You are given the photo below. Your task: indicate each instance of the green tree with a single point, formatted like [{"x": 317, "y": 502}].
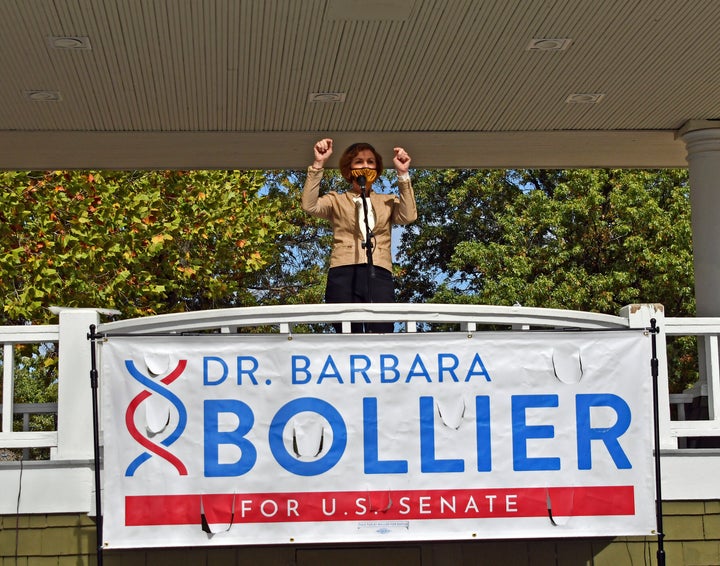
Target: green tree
[
  {"x": 299, "y": 272},
  {"x": 454, "y": 206},
  {"x": 592, "y": 240},
  {"x": 140, "y": 242}
]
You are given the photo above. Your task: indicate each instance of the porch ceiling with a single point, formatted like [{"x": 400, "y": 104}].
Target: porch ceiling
[{"x": 229, "y": 83}]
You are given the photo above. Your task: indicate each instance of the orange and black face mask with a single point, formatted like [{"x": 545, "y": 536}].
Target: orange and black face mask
[{"x": 369, "y": 174}]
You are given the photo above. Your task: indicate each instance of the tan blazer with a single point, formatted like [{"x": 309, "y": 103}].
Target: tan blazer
[{"x": 339, "y": 209}]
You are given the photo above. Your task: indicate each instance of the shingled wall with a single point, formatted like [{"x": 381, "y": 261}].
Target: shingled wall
[{"x": 692, "y": 538}]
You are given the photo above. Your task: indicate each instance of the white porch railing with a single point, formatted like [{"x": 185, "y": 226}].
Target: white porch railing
[
  {"x": 65, "y": 482},
  {"x": 706, "y": 330},
  {"x": 10, "y": 336}
]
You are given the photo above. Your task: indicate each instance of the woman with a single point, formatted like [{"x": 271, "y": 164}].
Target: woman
[{"x": 360, "y": 262}]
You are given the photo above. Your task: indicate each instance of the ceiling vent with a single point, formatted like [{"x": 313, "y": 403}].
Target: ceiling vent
[
  {"x": 549, "y": 44},
  {"x": 585, "y": 98},
  {"x": 43, "y": 95},
  {"x": 326, "y": 97},
  {"x": 71, "y": 42}
]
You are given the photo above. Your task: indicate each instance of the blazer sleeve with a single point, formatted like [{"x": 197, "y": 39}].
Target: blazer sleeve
[
  {"x": 406, "y": 210},
  {"x": 312, "y": 202}
]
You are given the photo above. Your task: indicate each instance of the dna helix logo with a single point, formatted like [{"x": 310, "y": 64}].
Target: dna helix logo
[{"x": 152, "y": 447}]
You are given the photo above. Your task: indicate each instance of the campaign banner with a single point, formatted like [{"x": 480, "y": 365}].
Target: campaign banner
[{"x": 287, "y": 439}]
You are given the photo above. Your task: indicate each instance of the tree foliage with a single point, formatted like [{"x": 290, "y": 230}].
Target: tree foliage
[
  {"x": 592, "y": 240},
  {"x": 454, "y": 206},
  {"x": 299, "y": 273},
  {"x": 154, "y": 242},
  {"x": 142, "y": 243}
]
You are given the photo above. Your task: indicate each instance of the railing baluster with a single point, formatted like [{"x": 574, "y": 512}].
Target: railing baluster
[
  {"x": 8, "y": 387},
  {"x": 713, "y": 377}
]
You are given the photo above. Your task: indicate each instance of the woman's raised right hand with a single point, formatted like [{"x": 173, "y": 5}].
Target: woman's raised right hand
[{"x": 323, "y": 150}]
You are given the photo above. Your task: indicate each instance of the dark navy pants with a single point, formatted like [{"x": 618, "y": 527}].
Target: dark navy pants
[{"x": 361, "y": 284}]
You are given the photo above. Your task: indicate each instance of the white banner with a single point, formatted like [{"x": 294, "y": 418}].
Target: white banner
[{"x": 270, "y": 439}]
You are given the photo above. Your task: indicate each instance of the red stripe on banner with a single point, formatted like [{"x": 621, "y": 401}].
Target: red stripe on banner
[{"x": 144, "y": 510}]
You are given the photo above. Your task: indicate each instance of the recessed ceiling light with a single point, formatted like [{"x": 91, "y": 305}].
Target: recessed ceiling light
[
  {"x": 43, "y": 95},
  {"x": 585, "y": 98},
  {"x": 549, "y": 44},
  {"x": 69, "y": 42},
  {"x": 326, "y": 97}
]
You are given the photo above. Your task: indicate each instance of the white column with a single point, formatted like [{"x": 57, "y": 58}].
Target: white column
[
  {"x": 702, "y": 139},
  {"x": 75, "y": 422},
  {"x": 639, "y": 316}
]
